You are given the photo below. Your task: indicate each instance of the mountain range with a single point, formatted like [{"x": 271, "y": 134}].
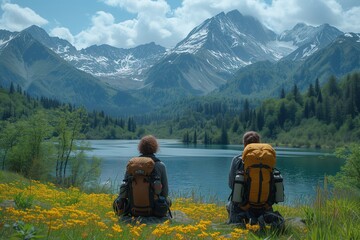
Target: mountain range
[{"x": 227, "y": 55}]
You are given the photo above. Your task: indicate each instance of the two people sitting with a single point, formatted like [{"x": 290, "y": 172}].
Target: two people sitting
[{"x": 144, "y": 191}]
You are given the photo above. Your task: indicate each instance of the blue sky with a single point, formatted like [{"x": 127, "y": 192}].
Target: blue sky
[{"x": 128, "y": 23}]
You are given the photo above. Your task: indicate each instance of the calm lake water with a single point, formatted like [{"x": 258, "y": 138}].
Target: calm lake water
[{"x": 203, "y": 170}]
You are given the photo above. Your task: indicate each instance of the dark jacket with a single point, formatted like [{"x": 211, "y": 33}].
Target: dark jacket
[{"x": 236, "y": 164}]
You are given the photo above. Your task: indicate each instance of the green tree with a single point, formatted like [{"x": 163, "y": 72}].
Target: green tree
[
  {"x": 195, "y": 137},
  {"x": 282, "y": 115},
  {"x": 318, "y": 91},
  {"x": 282, "y": 93},
  {"x": 332, "y": 87},
  {"x": 12, "y": 88},
  {"x": 236, "y": 125},
  {"x": 186, "y": 138},
  {"x": 296, "y": 94},
  {"x": 349, "y": 175},
  {"x": 30, "y": 155},
  {"x": 69, "y": 129},
  {"x": 207, "y": 139},
  {"x": 84, "y": 171},
  {"x": 311, "y": 91},
  {"x": 9, "y": 136},
  {"x": 224, "y": 139}
]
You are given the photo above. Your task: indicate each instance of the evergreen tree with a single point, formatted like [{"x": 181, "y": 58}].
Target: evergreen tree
[
  {"x": 311, "y": 91},
  {"x": 333, "y": 88},
  {"x": 195, "y": 137},
  {"x": 186, "y": 138},
  {"x": 224, "y": 139},
  {"x": 296, "y": 94},
  {"x": 18, "y": 89},
  {"x": 282, "y": 93},
  {"x": 260, "y": 119},
  {"x": 282, "y": 115},
  {"x": 206, "y": 138},
  {"x": 131, "y": 124},
  {"x": 246, "y": 111},
  {"x": 319, "y": 97},
  {"x": 317, "y": 87},
  {"x": 12, "y": 88},
  {"x": 236, "y": 125}
]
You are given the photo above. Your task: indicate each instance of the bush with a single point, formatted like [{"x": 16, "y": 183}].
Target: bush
[
  {"x": 349, "y": 175},
  {"x": 22, "y": 201}
]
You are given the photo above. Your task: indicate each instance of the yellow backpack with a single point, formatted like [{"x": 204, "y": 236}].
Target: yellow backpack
[{"x": 259, "y": 162}]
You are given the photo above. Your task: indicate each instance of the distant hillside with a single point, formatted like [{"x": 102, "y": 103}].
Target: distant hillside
[{"x": 266, "y": 79}]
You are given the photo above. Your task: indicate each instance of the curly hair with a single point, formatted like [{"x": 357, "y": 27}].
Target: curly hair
[
  {"x": 251, "y": 137},
  {"x": 148, "y": 145}
]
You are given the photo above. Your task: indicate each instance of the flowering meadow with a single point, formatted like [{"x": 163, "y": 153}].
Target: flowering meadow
[
  {"x": 71, "y": 214},
  {"x": 34, "y": 210}
]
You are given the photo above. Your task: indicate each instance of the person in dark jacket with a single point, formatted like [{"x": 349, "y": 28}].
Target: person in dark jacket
[
  {"x": 233, "y": 208},
  {"x": 147, "y": 147}
]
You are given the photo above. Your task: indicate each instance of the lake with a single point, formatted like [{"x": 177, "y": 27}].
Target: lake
[{"x": 203, "y": 170}]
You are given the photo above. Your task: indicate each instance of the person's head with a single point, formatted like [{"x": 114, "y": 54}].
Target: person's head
[
  {"x": 148, "y": 145},
  {"x": 251, "y": 137}
]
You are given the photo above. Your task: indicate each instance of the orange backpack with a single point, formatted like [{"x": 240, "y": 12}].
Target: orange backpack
[
  {"x": 259, "y": 162},
  {"x": 141, "y": 194}
]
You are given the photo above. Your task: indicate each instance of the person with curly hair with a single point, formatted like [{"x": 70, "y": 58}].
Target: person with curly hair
[
  {"x": 148, "y": 146},
  {"x": 145, "y": 189}
]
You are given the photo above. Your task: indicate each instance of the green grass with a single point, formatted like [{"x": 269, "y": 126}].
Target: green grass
[{"x": 57, "y": 213}]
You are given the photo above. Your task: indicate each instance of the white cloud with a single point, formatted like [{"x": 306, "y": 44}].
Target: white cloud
[
  {"x": 63, "y": 33},
  {"x": 351, "y": 20},
  {"x": 104, "y": 30},
  {"x": 155, "y": 21},
  {"x": 16, "y": 18},
  {"x": 140, "y": 6}
]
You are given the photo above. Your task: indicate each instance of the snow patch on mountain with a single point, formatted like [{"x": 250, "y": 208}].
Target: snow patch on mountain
[
  {"x": 281, "y": 49},
  {"x": 193, "y": 43},
  {"x": 299, "y": 35},
  {"x": 62, "y": 49},
  {"x": 353, "y": 35},
  {"x": 2, "y": 41},
  {"x": 309, "y": 51},
  {"x": 229, "y": 62}
]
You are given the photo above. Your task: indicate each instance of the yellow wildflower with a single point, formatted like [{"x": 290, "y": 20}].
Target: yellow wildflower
[
  {"x": 116, "y": 228},
  {"x": 102, "y": 226}
]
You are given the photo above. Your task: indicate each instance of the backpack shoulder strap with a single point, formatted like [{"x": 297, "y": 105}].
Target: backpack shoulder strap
[
  {"x": 152, "y": 156},
  {"x": 239, "y": 164}
]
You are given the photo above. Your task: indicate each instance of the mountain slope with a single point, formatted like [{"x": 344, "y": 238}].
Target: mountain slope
[
  {"x": 308, "y": 39},
  {"x": 56, "y": 44},
  {"x": 259, "y": 80},
  {"x": 265, "y": 79},
  {"x": 120, "y": 68},
  {"x": 212, "y": 52},
  {"x": 40, "y": 72},
  {"x": 339, "y": 58}
]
